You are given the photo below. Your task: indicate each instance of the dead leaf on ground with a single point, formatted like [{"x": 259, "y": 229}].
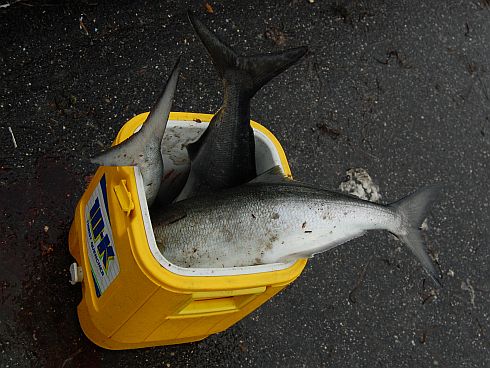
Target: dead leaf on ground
[
  {"x": 208, "y": 7},
  {"x": 88, "y": 179},
  {"x": 46, "y": 249},
  {"x": 275, "y": 35},
  {"x": 333, "y": 133}
]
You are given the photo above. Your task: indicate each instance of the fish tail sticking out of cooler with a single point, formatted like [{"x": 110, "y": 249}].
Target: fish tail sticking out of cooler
[
  {"x": 143, "y": 149},
  {"x": 224, "y": 156}
]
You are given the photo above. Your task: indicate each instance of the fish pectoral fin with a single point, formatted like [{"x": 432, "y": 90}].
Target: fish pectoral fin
[{"x": 274, "y": 175}]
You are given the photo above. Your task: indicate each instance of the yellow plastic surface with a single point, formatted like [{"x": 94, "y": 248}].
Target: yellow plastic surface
[
  {"x": 124, "y": 197},
  {"x": 146, "y": 304}
]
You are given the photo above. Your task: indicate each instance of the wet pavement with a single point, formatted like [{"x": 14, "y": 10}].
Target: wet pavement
[{"x": 399, "y": 89}]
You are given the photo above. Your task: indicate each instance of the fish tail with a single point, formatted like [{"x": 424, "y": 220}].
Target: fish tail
[
  {"x": 254, "y": 71},
  {"x": 143, "y": 149},
  {"x": 413, "y": 211},
  {"x": 129, "y": 152}
]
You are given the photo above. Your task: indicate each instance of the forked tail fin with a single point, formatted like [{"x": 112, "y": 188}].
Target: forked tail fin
[
  {"x": 143, "y": 149},
  {"x": 253, "y": 71},
  {"x": 413, "y": 211}
]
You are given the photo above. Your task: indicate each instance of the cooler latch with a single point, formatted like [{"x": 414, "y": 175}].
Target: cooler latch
[{"x": 124, "y": 197}]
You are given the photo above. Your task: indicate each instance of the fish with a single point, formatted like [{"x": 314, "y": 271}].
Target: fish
[
  {"x": 274, "y": 219},
  {"x": 224, "y": 156},
  {"x": 143, "y": 149}
]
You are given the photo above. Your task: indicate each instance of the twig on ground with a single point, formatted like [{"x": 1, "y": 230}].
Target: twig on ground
[
  {"x": 13, "y": 137},
  {"x": 70, "y": 358}
]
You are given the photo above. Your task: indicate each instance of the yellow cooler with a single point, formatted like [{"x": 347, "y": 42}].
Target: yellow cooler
[{"x": 132, "y": 296}]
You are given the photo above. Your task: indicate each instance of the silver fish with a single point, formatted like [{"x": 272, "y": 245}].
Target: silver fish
[
  {"x": 224, "y": 156},
  {"x": 273, "y": 219},
  {"x": 143, "y": 149}
]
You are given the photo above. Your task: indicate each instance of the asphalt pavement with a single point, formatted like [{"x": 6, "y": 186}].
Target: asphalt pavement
[{"x": 399, "y": 88}]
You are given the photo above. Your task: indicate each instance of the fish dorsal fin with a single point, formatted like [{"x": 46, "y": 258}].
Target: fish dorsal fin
[{"x": 274, "y": 175}]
